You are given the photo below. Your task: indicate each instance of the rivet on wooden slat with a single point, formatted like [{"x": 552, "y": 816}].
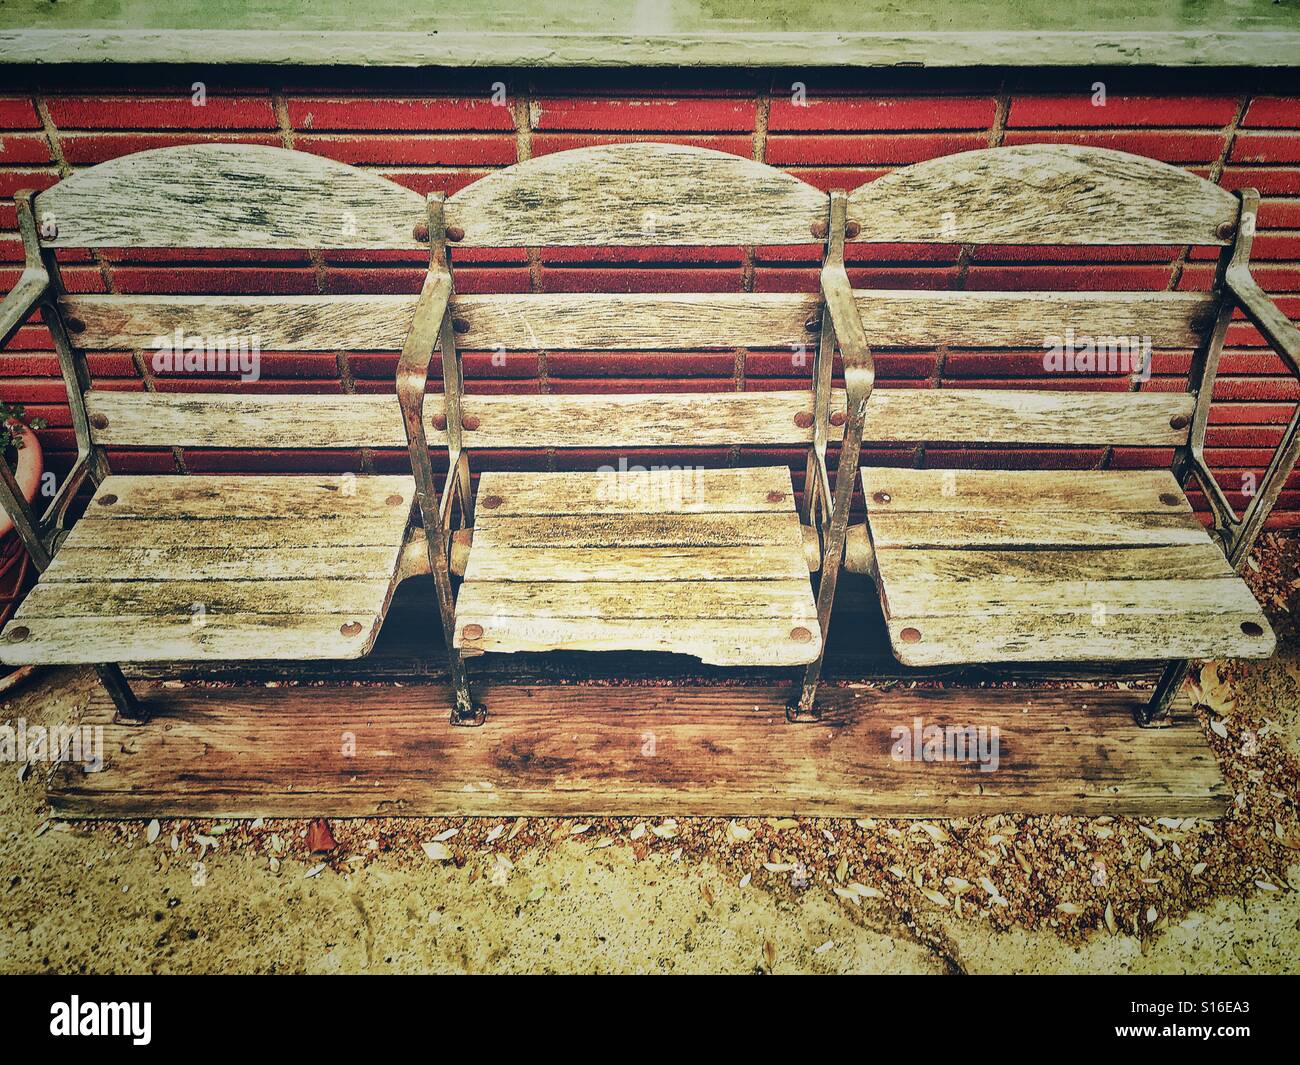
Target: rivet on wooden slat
[
  {"x": 818, "y": 230},
  {"x": 1225, "y": 230},
  {"x": 775, "y": 497},
  {"x": 881, "y": 497},
  {"x": 393, "y": 500},
  {"x": 472, "y": 632},
  {"x": 491, "y": 502},
  {"x": 1179, "y": 421},
  {"x": 838, "y": 418},
  {"x": 1250, "y": 628},
  {"x": 460, "y": 325},
  {"x": 440, "y": 422},
  {"x": 910, "y": 635},
  {"x": 800, "y": 635},
  {"x": 75, "y": 325},
  {"x": 1170, "y": 499},
  {"x": 99, "y": 421},
  {"x": 350, "y": 628},
  {"x": 804, "y": 419},
  {"x": 471, "y": 422},
  {"x": 420, "y": 231},
  {"x": 455, "y": 234},
  {"x": 107, "y": 501},
  {"x": 851, "y": 230},
  {"x": 18, "y": 634}
]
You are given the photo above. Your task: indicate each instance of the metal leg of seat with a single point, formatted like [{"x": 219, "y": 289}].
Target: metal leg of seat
[
  {"x": 1156, "y": 710},
  {"x": 129, "y": 710},
  {"x": 464, "y": 711}
]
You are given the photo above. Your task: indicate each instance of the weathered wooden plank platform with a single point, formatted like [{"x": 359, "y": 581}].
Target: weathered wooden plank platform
[{"x": 686, "y": 749}]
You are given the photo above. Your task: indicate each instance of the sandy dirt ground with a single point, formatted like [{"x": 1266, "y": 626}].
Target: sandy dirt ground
[{"x": 707, "y": 895}]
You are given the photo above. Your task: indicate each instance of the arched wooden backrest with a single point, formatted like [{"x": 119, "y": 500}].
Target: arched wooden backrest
[
  {"x": 228, "y": 196},
  {"x": 637, "y": 195},
  {"x": 1043, "y": 194}
]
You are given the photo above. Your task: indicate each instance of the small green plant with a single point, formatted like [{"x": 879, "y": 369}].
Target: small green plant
[{"x": 13, "y": 417}]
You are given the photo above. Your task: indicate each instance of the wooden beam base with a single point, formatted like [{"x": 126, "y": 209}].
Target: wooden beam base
[{"x": 634, "y": 750}]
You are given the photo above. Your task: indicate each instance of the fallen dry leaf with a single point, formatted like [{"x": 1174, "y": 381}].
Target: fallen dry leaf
[{"x": 320, "y": 840}]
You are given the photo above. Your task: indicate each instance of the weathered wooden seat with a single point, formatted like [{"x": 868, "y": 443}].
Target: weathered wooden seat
[
  {"x": 1031, "y": 566},
  {"x": 709, "y": 563},
  {"x": 1064, "y": 566},
  {"x": 219, "y": 568},
  {"x": 165, "y": 568}
]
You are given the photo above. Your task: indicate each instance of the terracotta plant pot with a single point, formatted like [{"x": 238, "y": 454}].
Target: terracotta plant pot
[{"x": 15, "y": 566}]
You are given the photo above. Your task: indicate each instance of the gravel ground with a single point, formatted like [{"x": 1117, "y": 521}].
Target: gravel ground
[{"x": 995, "y": 894}]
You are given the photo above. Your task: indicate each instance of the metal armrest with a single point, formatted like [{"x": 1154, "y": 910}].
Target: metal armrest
[
  {"x": 1264, "y": 314},
  {"x": 859, "y": 379},
  {"x": 843, "y": 310},
  {"x": 22, "y": 300},
  {"x": 412, "y": 379},
  {"x": 1284, "y": 338},
  {"x": 52, "y": 527},
  {"x": 417, "y": 352},
  {"x": 34, "y": 280},
  {"x": 25, "y": 522}
]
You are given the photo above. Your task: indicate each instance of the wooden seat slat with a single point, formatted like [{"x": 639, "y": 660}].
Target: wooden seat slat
[
  {"x": 91, "y": 639},
  {"x": 662, "y": 600},
  {"x": 633, "y": 490},
  {"x": 906, "y": 565},
  {"x": 1003, "y": 530},
  {"x": 595, "y": 531},
  {"x": 239, "y": 497},
  {"x": 761, "y": 562},
  {"x": 1045, "y": 637},
  {"x": 717, "y": 642},
  {"x": 216, "y": 562},
  {"x": 197, "y": 599},
  {"x": 995, "y": 597},
  {"x": 1138, "y": 491}
]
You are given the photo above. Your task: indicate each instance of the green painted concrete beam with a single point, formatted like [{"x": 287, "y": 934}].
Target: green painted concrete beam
[{"x": 601, "y": 33}]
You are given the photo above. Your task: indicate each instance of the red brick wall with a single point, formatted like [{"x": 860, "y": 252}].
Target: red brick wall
[{"x": 442, "y": 131}]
